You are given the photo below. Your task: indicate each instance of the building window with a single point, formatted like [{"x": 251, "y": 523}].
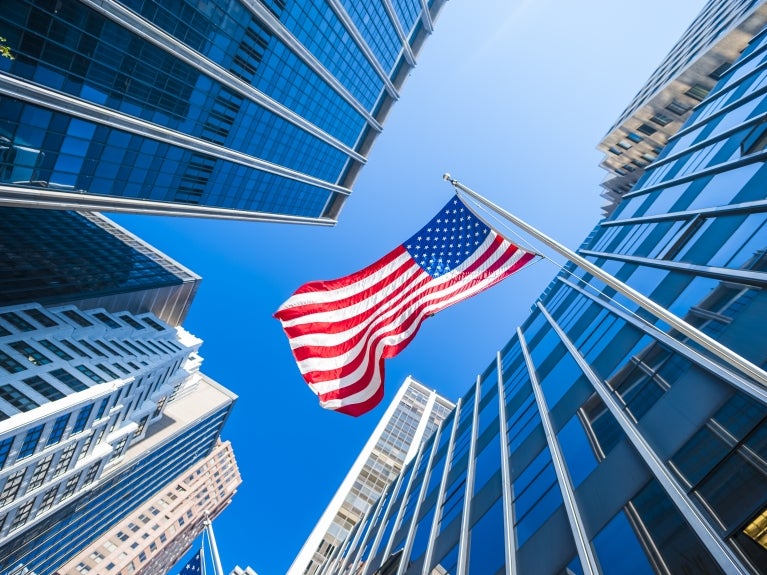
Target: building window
[
  {"x": 678, "y": 108},
  {"x": 636, "y": 138},
  {"x": 68, "y": 379},
  {"x": 96, "y": 557},
  {"x": 17, "y": 321},
  {"x": 11, "y": 487},
  {"x": 43, "y": 388},
  {"x": 33, "y": 356},
  {"x": 38, "y": 475},
  {"x": 16, "y": 398},
  {"x": 698, "y": 92},
  {"x": 86, "y": 446},
  {"x": 105, "y": 319},
  {"x": 646, "y": 129},
  {"x": 720, "y": 71},
  {"x": 82, "y": 418},
  {"x": 22, "y": 514},
  {"x": 93, "y": 470},
  {"x": 40, "y": 317},
  {"x": 108, "y": 371},
  {"x": 141, "y": 426},
  {"x": 56, "y": 350},
  {"x": 57, "y": 431},
  {"x": 5, "y": 449},
  {"x": 47, "y": 500},
  {"x": 106, "y": 347},
  {"x": 77, "y": 318},
  {"x": 86, "y": 344},
  {"x": 121, "y": 368},
  {"x": 118, "y": 448},
  {"x": 131, "y": 322},
  {"x": 153, "y": 324},
  {"x": 756, "y": 140},
  {"x": 122, "y": 536},
  {"x": 9, "y": 364},
  {"x": 85, "y": 370},
  {"x": 75, "y": 349},
  {"x": 29, "y": 444},
  {"x": 661, "y": 119},
  {"x": 102, "y": 408},
  {"x": 66, "y": 457},
  {"x": 71, "y": 486}
]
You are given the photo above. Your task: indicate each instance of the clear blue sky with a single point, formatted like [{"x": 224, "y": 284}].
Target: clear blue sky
[{"x": 511, "y": 97}]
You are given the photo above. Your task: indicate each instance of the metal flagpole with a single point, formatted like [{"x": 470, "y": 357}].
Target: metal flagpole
[
  {"x": 726, "y": 354},
  {"x": 213, "y": 547}
]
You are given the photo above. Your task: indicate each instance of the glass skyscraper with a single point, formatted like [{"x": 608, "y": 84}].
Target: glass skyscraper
[
  {"x": 702, "y": 55},
  {"x": 599, "y": 441},
  {"x": 260, "y": 110},
  {"x": 55, "y": 257}
]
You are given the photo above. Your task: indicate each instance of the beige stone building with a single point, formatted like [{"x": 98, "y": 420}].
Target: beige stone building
[{"x": 151, "y": 539}]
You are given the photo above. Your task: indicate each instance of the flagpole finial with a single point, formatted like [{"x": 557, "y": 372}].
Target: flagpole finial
[{"x": 447, "y": 177}]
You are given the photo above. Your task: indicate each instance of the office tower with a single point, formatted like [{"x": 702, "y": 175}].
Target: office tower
[
  {"x": 54, "y": 257},
  {"x": 155, "y": 535},
  {"x": 699, "y": 59},
  {"x": 260, "y": 110},
  {"x": 184, "y": 435},
  {"x": 413, "y": 415},
  {"x": 77, "y": 389},
  {"x": 598, "y": 440}
]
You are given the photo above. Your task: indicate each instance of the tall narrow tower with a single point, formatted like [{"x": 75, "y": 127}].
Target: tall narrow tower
[{"x": 413, "y": 416}]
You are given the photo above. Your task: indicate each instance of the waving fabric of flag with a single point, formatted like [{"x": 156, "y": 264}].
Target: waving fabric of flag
[
  {"x": 194, "y": 565},
  {"x": 342, "y": 330}
]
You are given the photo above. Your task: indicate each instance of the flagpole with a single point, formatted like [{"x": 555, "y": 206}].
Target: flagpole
[
  {"x": 724, "y": 353},
  {"x": 213, "y": 547}
]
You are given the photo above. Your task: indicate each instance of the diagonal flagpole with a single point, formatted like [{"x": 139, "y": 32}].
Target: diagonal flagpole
[
  {"x": 217, "y": 567},
  {"x": 724, "y": 353}
]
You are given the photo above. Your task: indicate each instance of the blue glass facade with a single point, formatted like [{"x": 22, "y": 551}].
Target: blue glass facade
[
  {"x": 251, "y": 110},
  {"x": 55, "y": 257},
  {"x": 598, "y": 441}
]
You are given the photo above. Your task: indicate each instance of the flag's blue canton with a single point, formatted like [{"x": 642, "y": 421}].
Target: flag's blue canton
[
  {"x": 193, "y": 566},
  {"x": 448, "y": 239}
]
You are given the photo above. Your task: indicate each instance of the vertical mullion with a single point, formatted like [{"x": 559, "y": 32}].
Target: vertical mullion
[
  {"x": 508, "y": 510},
  {"x": 441, "y": 495},
  {"x": 585, "y": 553},
  {"x": 463, "y": 544},
  {"x": 411, "y": 530}
]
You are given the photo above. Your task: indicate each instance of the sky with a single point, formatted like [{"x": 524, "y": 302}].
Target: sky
[{"x": 509, "y": 96}]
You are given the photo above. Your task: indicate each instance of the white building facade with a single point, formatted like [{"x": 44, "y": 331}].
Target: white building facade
[{"x": 412, "y": 417}]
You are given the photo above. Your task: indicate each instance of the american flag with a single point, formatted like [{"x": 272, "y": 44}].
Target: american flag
[
  {"x": 194, "y": 565},
  {"x": 342, "y": 330}
]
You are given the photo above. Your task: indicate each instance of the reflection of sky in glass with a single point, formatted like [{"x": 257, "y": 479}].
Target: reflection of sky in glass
[
  {"x": 576, "y": 450},
  {"x": 486, "y": 549},
  {"x": 618, "y": 550}
]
